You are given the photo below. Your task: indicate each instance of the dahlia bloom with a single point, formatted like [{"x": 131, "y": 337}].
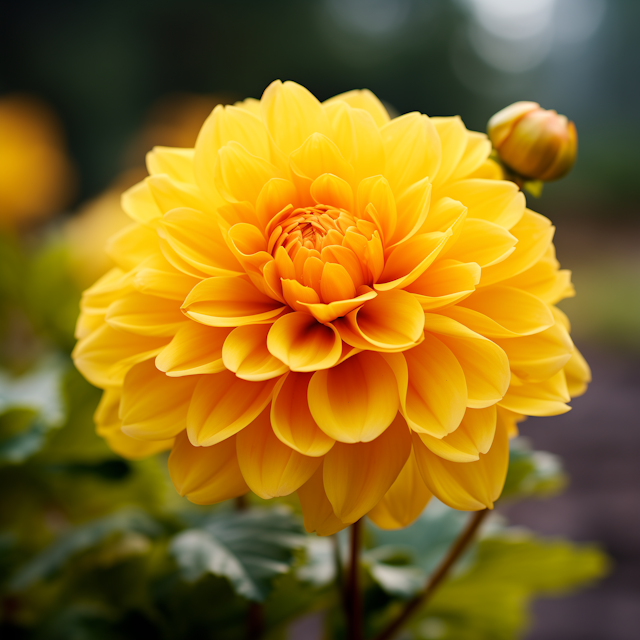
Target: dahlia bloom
[{"x": 323, "y": 300}]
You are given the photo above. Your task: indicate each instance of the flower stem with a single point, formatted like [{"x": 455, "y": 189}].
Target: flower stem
[
  {"x": 353, "y": 596},
  {"x": 436, "y": 578}
]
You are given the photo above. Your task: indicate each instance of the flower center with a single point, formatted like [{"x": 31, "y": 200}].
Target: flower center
[{"x": 310, "y": 227}]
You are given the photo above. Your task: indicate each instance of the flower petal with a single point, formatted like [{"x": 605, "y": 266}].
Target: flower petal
[
  {"x": 476, "y": 154},
  {"x": 154, "y": 406},
  {"x": 245, "y": 353},
  {"x": 362, "y": 99},
  {"x": 473, "y": 437},
  {"x": 104, "y": 356},
  {"x": 482, "y": 242},
  {"x": 230, "y": 302},
  {"x": 545, "y": 398},
  {"x": 157, "y": 277},
  {"x": 412, "y": 148},
  {"x": 291, "y": 418},
  {"x": 484, "y": 363},
  {"x": 317, "y": 511},
  {"x": 356, "y": 400},
  {"x": 206, "y": 475},
  {"x": 376, "y": 191},
  {"x": 270, "y": 467},
  {"x": 466, "y": 486},
  {"x": 140, "y": 205},
  {"x": 223, "y": 404},
  {"x": 404, "y": 501},
  {"x": 436, "y": 396},
  {"x": 176, "y": 163},
  {"x": 145, "y": 315},
  {"x": 453, "y": 137},
  {"x": 332, "y": 190},
  {"x": 303, "y": 344},
  {"x": 356, "y": 476},
  {"x": 195, "y": 349},
  {"x": 131, "y": 245},
  {"x": 326, "y": 313},
  {"x": 276, "y": 194}
]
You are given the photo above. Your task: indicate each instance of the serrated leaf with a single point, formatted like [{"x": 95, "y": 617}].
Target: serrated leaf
[
  {"x": 248, "y": 548},
  {"x": 50, "y": 561}
]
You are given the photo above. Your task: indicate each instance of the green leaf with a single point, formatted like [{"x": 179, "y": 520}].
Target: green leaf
[
  {"x": 532, "y": 473},
  {"x": 249, "y": 548},
  {"x": 46, "y": 564}
]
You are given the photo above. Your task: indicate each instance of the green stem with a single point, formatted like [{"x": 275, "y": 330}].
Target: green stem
[
  {"x": 437, "y": 577},
  {"x": 353, "y": 595}
]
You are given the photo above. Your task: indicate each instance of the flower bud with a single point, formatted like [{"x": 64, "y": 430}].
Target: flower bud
[{"x": 535, "y": 143}]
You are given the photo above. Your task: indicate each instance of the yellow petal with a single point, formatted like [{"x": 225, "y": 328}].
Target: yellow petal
[
  {"x": 362, "y": 99},
  {"x": 393, "y": 321},
  {"x": 195, "y": 349},
  {"x": 358, "y": 137},
  {"x": 546, "y": 398},
  {"x": 326, "y": 313},
  {"x": 538, "y": 357},
  {"x": 410, "y": 259},
  {"x": 270, "y": 467},
  {"x": 196, "y": 238},
  {"x": 112, "y": 286},
  {"x": 297, "y": 295},
  {"x": 404, "y": 501},
  {"x": 453, "y": 137},
  {"x": 413, "y": 206},
  {"x": 412, "y": 148},
  {"x": 482, "y": 242},
  {"x": 356, "y": 400},
  {"x": 436, "y": 395},
  {"x": 276, "y": 194},
  {"x": 157, "y": 277},
  {"x": 245, "y": 353},
  {"x": 170, "y": 194},
  {"x": 332, "y": 190},
  {"x": 249, "y": 246},
  {"x": 476, "y": 154},
  {"x": 230, "y": 302},
  {"x": 291, "y": 114},
  {"x": 356, "y": 476},
  {"x": 104, "y": 356},
  {"x": 510, "y": 312},
  {"x": 226, "y": 124},
  {"x": 239, "y": 175},
  {"x": 336, "y": 283},
  {"x": 466, "y": 486},
  {"x": 291, "y": 418},
  {"x": 317, "y": 511},
  {"x": 376, "y": 191},
  {"x": 206, "y": 475},
  {"x": 140, "y": 205},
  {"x": 444, "y": 283},
  {"x": 146, "y": 315},
  {"x": 534, "y": 234},
  {"x": 497, "y": 201},
  {"x": 223, "y": 404},
  {"x": 509, "y": 421},
  {"x": 154, "y": 406},
  {"x": 577, "y": 373},
  {"x": 176, "y": 163},
  {"x": 485, "y": 364},
  {"x": 130, "y": 246},
  {"x": 303, "y": 344},
  {"x": 473, "y": 437}
]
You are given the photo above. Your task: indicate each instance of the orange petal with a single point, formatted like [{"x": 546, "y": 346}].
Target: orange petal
[
  {"x": 404, "y": 501},
  {"x": 196, "y": 239},
  {"x": 437, "y": 391},
  {"x": 497, "y": 201},
  {"x": 316, "y": 509},
  {"x": 473, "y": 437},
  {"x": 206, "y": 475},
  {"x": 466, "y": 486},
  {"x": 336, "y": 284},
  {"x": 245, "y": 353},
  {"x": 195, "y": 349},
  {"x": 270, "y": 467},
  {"x": 291, "y": 418},
  {"x": 146, "y": 315},
  {"x": 223, "y": 404},
  {"x": 104, "y": 356},
  {"x": 356, "y": 400},
  {"x": 412, "y": 148},
  {"x": 297, "y": 295},
  {"x": 303, "y": 344},
  {"x": 230, "y": 302},
  {"x": 485, "y": 364},
  {"x": 392, "y": 321},
  {"x": 154, "y": 406},
  {"x": 356, "y": 476}
]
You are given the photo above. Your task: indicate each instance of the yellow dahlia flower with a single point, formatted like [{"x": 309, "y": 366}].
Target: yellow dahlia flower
[{"x": 323, "y": 300}]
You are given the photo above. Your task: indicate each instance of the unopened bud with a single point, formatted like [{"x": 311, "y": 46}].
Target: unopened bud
[{"x": 534, "y": 143}]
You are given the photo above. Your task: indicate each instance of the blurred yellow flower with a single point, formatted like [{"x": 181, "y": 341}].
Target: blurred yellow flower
[
  {"x": 320, "y": 299},
  {"x": 535, "y": 143},
  {"x": 36, "y": 177}
]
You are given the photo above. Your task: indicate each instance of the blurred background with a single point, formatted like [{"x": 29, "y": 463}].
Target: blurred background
[{"x": 86, "y": 88}]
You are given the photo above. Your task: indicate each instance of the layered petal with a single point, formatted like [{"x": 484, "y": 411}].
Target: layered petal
[{"x": 317, "y": 511}]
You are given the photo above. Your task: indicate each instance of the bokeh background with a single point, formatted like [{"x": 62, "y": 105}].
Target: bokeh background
[{"x": 105, "y": 81}]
